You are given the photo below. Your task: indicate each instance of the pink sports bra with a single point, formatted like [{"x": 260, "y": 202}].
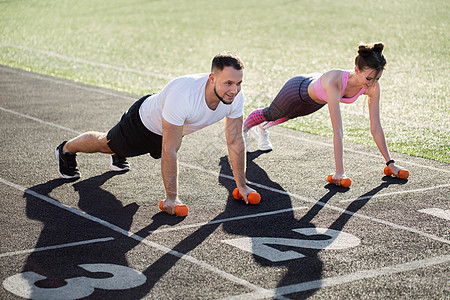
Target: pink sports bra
[{"x": 323, "y": 95}]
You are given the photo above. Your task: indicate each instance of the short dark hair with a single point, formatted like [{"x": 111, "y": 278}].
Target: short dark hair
[
  {"x": 370, "y": 56},
  {"x": 226, "y": 59}
]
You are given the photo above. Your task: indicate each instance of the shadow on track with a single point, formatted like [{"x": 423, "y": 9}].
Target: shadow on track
[
  {"x": 272, "y": 242},
  {"x": 61, "y": 227}
]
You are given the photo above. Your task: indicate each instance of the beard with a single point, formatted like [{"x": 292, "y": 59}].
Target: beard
[{"x": 221, "y": 98}]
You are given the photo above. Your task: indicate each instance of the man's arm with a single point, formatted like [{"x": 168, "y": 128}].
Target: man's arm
[
  {"x": 237, "y": 154},
  {"x": 172, "y": 136}
]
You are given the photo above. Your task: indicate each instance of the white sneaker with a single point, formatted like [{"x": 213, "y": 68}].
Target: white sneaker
[
  {"x": 246, "y": 143},
  {"x": 262, "y": 137},
  {"x": 119, "y": 164}
]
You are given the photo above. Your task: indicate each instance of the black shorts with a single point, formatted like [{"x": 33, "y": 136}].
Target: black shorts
[{"x": 130, "y": 137}]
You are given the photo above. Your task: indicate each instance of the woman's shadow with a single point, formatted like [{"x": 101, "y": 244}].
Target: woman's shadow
[{"x": 289, "y": 242}]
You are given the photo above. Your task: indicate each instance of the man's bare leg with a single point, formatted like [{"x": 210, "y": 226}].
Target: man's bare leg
[{"x": 88, "y": 142}]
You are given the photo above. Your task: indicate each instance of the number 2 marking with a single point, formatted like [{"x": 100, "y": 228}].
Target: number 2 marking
[
  {"x": 260, "y": 245},
  {"x": 23, "y": 284}
]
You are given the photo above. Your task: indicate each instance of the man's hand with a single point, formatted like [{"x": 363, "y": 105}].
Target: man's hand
[
  {"x": 236, "y": 151},
  {"x": 172, "y": 136},
  {"x": 170, "y": 204},
  {"x": 244, "y": 191}
]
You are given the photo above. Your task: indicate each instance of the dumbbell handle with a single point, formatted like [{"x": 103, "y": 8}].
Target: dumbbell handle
[
  {"x": 181, "y": 210},
  {"x": 345, "y": 182},
  {"x": 253, "y": 198},
  {"x": 402, "y": 174}
]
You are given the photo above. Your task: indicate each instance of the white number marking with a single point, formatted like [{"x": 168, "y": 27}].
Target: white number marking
[
  {"x": 23, "y": 284},
  {"x": 437, "y": 212},
  {"x": 336, "y": 240}
]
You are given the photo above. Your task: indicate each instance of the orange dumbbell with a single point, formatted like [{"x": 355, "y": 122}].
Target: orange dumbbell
[
  {"x": 403, "y": 173},
  {"x": 345, "y": 182},
  {"x": 180, "y": 210},
  {"x": 253, "y": 198}
]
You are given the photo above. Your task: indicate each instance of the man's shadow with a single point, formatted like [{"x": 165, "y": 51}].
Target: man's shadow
[
  {"x": 260, "y": 230},
  {"x": 61, "y": 227}
]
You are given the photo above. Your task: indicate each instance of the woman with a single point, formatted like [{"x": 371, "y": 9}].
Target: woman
[{"x": 303, "y": 95}]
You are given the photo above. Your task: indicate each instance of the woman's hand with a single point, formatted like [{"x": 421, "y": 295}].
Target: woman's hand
[{"x": 337, "y": 177}]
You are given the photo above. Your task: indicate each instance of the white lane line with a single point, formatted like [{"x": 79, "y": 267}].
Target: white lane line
[
  {"x": 186, "y": 257},
  {"x": 87, "y": 62},
  {"x": 407, "y": 122},
  {"x": 249, "y": 91},
  {"x": 269, "y": 213},
  {"x": 136, "y": 237},
  {"x": 68, "y": 83},
  {"x": 437, "y": 212},
  {"x": 332, "y": 207},
  {"x": 284, "y": 192},
  {"x": 330, "y": 145},
  {"x": 106, "y": 92},
  {"x": 304, "y": 198},
  {"x": 38, "y": 120},
  {"x": 74, "y": 244},
  {"x": 131, "y": 70},
  {"x": 280, "y": 134},
  {"x": 396, "y": 193},
  {"x": 338, "y": 280}
]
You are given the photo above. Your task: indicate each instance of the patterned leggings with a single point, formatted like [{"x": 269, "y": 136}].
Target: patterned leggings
[{"x": 292, "y": 101}]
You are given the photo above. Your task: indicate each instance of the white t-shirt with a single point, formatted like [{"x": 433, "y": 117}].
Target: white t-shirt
[{"x": 182, "y": 102}]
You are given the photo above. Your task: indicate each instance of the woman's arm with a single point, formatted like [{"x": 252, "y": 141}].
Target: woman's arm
[
  {"x": 333, "y": 88},
  {"x": 375, "y": 126}
]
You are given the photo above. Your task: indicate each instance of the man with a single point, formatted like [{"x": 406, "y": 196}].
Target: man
[{"x": 156, "y": 124}]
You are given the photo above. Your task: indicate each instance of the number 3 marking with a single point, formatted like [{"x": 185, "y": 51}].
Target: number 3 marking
[
  {"x": 23, "y": 284},
  {"x": 259, "y": 245}
]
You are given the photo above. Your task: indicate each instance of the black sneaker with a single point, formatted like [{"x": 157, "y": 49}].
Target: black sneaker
[
  {"x": 119, "y": 163},
  {"x": 67, "y": 164}
]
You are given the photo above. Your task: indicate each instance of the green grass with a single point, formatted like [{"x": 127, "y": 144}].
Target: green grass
[{"x": 149, "y": 42}]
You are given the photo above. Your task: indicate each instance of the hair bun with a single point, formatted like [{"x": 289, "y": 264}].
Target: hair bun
[
  {"x": 364, "y": 50},
  {"x": 378, "y": 47},
  {"x": 367, "y": 49}
]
